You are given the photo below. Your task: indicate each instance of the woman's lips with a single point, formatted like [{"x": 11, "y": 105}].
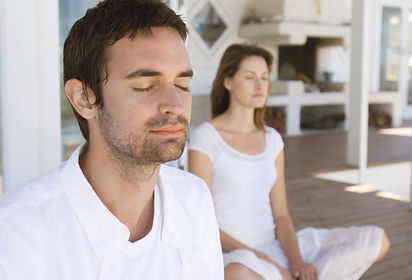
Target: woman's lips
[{"x": 258, "y": 95}]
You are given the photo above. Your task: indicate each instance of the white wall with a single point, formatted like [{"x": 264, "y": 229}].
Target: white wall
[
  {"x": 335, "y": 59},
  {"x": 29, "y": 69}
]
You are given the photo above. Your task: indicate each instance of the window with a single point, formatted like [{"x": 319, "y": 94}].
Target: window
[
  {"x": 209, "y": 24},
  {"x": 391, "y": 40}
]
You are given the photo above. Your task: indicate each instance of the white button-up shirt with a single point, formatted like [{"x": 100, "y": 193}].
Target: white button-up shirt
[{"x": 56, "y": 227}]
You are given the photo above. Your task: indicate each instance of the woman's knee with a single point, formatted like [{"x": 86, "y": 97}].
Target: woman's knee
[
  {"x": 385, "y": 245},
  {"x": 237, "y": 271}
]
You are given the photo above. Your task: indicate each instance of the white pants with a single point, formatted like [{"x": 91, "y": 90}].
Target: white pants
[{"x": 338, "y": 253}]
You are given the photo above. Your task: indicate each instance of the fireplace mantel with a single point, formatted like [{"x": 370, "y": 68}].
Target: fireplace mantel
[{"x": 294, "y": 33}]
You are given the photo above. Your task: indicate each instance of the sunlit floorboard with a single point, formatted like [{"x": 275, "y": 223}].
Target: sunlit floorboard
[{"x": 393, "y": 178}]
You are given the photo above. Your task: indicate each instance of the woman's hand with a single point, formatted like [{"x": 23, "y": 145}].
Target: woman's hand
[
  {"x": 304, "y": 271},
  {"x": 286, "y": 275}
]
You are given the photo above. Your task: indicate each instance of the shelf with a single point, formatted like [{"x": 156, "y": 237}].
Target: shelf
[
  {"x": 326, "y": 12},
  {"x": 322, "y": 117},
  {"x": 322, "y": 131},
  {"x": 392, "y": 103},
  {"x": 324, "y": 98},
  {"x": 291, "y": 96},
  {"x": 294, "y": 33},
  {"x": 308, "y": 99},
  {"x": 278, "y": 101}
]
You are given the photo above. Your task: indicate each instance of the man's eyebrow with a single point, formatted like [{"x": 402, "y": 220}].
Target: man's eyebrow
[
  {"x": 143, "y": 73},
  {"x": 188, "y": 73},
  {"x": 151, "y": 73}
]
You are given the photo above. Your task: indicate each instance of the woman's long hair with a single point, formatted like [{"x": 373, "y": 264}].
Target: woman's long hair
[{"x": 229, "y": 65}]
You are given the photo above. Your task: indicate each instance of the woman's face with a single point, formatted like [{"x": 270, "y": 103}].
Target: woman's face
[{"x": 250, "y": 85}]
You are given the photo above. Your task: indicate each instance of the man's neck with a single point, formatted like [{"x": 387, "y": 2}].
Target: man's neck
[{"x": 127, "y": 191}]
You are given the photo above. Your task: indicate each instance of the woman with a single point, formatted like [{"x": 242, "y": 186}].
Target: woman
[{"x": 242, "y": 161}]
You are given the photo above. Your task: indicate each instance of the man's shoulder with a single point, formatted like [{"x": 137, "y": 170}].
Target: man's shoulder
[
  {"x": 172, "y": 174},
  {"x": 31, "y": 194},
  {"x": 184, "y": 183},
  {"x": 189, "y": 193}
]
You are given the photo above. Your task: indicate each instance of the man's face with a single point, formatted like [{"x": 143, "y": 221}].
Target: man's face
[{"x": 147, "y": 98}]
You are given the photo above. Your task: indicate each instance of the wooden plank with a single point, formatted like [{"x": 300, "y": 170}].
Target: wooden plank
[
  {"x": 394, "y": 268},
  {"x": 399, "y": 249}
]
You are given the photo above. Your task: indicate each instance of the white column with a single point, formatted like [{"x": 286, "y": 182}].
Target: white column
[
  {"x": 357, "y": 150},
  {"x": 293, "y": 119},
  {"x": 30, "y": 86}
]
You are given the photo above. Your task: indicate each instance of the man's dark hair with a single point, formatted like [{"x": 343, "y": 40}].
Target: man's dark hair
[{"x": 85, "y": 48}]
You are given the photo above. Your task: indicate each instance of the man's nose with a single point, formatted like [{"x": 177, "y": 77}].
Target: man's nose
[{"x": 170, "y": 102}]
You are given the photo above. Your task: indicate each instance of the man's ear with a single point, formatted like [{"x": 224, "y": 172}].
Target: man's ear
[
  {"x": 227, "y": 83},
  {"x": 81, "y": 98}
]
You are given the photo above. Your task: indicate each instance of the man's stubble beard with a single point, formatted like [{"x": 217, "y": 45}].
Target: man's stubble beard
[{"x": 132, "y": 149}]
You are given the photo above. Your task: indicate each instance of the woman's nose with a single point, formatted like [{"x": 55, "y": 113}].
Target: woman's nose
[{"x": 258, "y": 83}]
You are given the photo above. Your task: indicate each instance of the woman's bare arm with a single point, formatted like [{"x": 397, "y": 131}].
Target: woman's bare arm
[{"x": 285, "y": 230}]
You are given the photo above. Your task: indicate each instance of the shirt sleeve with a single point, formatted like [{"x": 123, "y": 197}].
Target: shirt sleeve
[
  {"x": 277, "y": 141},
  {"x": 201, "y": 140},
  {"x": 213, "y": 245},
  {"x": 2, "y": 276}
]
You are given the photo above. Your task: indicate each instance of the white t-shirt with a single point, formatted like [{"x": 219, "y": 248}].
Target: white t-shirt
[
  {"x": 56, "y": 227},
  {"x": 151, "y": 253},
  {"x": 241, "y": 184}
]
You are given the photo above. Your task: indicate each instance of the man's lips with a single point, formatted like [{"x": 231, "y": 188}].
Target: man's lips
[{"x": 169, "y": 130}]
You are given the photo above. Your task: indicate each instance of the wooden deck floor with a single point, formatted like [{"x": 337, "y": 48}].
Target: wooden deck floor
[
  {"x": 306, "y": 155},
  {"x": 321, "y": 203}
]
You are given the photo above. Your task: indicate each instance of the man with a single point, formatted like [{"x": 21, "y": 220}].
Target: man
[{"x": 112, "y": 211}]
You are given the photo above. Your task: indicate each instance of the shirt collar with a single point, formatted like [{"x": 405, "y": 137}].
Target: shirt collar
[
  {"x": 179, "y": 230},
  {"x": 175, "y": 221},
  {"x": 103, "y": 229},
  {"x": 100, "y": 225}
]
